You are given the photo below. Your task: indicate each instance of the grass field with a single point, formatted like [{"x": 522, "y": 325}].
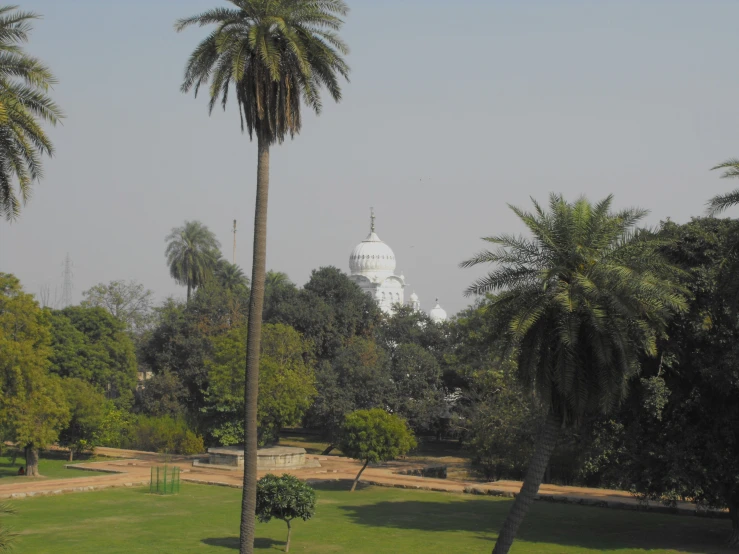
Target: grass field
[
  {"x": 49, "y": 467},
  {"x": 370, "y": 521}
]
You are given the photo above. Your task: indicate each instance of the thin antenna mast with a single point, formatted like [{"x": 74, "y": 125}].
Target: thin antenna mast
[
  {"x": 234, "y": 255},
  {"x": 67, "y": 276}
]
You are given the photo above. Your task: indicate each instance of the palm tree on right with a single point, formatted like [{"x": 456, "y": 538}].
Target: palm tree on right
[
  {"x": 192, "y": 254},
  {"x": 721, "y": 202},
  {"x": 575, "y": 305}
]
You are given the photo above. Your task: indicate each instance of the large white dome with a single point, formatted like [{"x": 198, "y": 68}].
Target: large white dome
[
  {"x": 372, "y": 258},
  {"x": 438, "y": 314}
]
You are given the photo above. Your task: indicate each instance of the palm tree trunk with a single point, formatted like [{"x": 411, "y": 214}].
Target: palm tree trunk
[
  {"x": 253, "y": 341},
  {"x": 188, "y": 292},
  {"x": 534, "y": 475},
  {"x": 734, "y": 516},
  {"x": 356, "y": 479}
]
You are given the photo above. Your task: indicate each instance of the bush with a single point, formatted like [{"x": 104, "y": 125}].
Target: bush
[{"x": 164, "y": 434}]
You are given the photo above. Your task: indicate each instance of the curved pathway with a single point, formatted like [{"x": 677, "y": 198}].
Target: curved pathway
[{"x": 133, "y": 469}]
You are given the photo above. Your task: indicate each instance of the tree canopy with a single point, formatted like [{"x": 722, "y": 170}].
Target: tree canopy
[
  {"x": 286, "y": 382},
  {"x": 32, "y": 405},
  {"x": 373, "y": 436},
  {"x": 286, "y": 498},
  {"x": 92, "y": 345}
]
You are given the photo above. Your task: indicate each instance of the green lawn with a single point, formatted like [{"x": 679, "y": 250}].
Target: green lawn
[
  {"x": 49, "y": 467},
  {"x": 369, "y": 521}
]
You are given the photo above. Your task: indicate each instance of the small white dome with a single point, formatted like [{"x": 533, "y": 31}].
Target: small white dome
[
  {"x": 438, "y": 314},
  {"x": 372, "y": 256},
  {"x": 414, "y": 297}
]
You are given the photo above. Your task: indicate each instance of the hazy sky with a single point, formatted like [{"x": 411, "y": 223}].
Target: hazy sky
[{"x": 454, "y": 110}]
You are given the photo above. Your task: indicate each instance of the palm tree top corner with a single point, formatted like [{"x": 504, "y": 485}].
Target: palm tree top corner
[
  {"x": 575, "y": 305},
  {"x": 24, "y": 107},
  {"x": 275, "y": 54},
  {"x": 722, "y": 202}
]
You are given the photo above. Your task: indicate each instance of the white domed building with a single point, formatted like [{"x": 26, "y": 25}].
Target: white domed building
[{"x": 372, "y": 267}]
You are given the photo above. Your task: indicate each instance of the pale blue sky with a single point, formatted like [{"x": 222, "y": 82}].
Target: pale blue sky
[{"x": 454, "y": 109}]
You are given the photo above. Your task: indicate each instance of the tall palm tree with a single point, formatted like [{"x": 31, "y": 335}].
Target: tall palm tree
[
  {"x": 575, "y": 306},
  {"x": 721, "y": 202},
  {"x": 192, "y": 252},
  {"x": 275, "y": 54},
  {"x": 24, "y": 104}
]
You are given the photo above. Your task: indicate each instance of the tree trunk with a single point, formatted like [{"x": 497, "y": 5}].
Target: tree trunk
[
  {"x": 71, "y": 453},
  {"x": 188, "y": 292},
  {"x": 356, "y": 479},
  {"x": 253, "y": 341},
  {"x": 328, "y": 449},
  {"x": 32, "y": 462},
  {"x": 289, "y": 531},
  {"x": 734, "y": 515},
  {"x": 534, "y": 474}
]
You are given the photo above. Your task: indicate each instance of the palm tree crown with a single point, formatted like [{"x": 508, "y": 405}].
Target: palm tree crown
[
  {"x": 231, "y": 276},
  {"x": 721, "y": 202},
  {"x": 275, "y": 53},
  {"x": 579, "y": 301},
  {"x": 192, "y": 252},
  {"x": 24, "y": 83}
]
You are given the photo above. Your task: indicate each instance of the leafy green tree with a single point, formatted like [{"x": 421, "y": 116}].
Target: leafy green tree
[
  {"x": 418, "y": 388},
  {"x": 163, "y": 394},
  {"x": 87, "y": 409},
  {"x": 286, "y": 498},
  {"x": 330, "y": 310},
  {"x": 91, "y": 344},
  {"x": 192, "y": 253},
  {"x": 409, "y": 326},
  {"x": 684, "y": 405},
  {"x": 276, "y": 55},
  {"x": 286, "y": 382},
  {"x": 24, "y": 105},
  {"x": 580, "y": 302},
  {"x": 500, "y": 424},
  {"x": 128, "y": 301},
  {"x": 373, "y": 436},
  {"x": 32, "y": 405},
  {"x": 358, "y": 377}
]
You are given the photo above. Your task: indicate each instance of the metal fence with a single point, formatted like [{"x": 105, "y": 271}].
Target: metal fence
[{"x": 164, "y": 480}]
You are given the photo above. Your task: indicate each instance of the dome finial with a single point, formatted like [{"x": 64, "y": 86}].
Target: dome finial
[{"x": 372, "y": 220}]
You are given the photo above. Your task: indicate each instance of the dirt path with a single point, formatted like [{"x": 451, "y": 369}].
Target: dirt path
[{"x": 134, "y": 470}]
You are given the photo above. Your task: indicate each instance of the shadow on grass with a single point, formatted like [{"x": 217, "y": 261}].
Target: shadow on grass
[
  {"x": 233, "y": 543},
  {"x": 586, "y": 527}
]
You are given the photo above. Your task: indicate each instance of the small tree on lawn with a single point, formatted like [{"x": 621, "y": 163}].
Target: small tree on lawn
[
  {"x": 284, "y": 498},
  {"x": 375, "y": 436}
]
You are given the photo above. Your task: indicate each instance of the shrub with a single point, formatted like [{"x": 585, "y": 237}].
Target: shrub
[{"x": 164, "y": 434}]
